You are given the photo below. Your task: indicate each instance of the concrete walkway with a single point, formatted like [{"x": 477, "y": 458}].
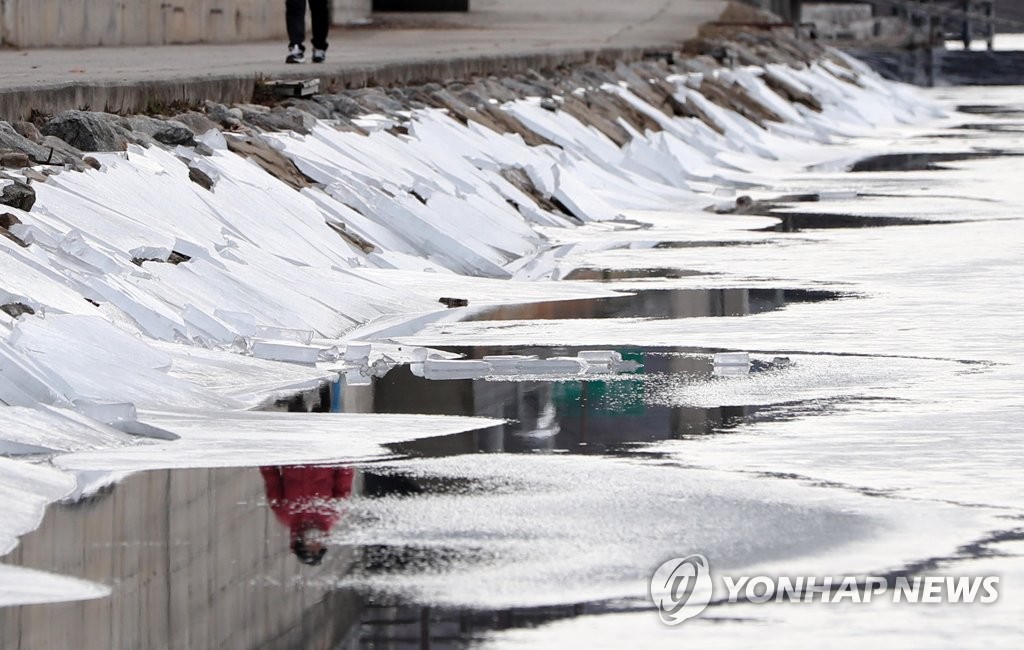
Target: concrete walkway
[{"x": 496, "y": 35}]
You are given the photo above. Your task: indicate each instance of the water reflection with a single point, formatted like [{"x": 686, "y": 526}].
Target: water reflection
[
  {"x": 236, "y": 558},
  {"x": 308, "y": 501}
]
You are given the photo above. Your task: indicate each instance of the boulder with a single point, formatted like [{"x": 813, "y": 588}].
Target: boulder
[
  {"x": 279, "y": 118},
  {"x": 18, "y": 195},
  {"x": 28, "y": 130},
  {"x": 229, "y": 118},
  {"x": 62, "y": 152},
  {"x": 12, "y": 141},
  {"x": 168, "y": 132},
  {"x": 15, "y": 160},
  {"x": 200, "y": 178},
  {"x": 85, "y": 130},
  {"x": 196, "y": 121}
]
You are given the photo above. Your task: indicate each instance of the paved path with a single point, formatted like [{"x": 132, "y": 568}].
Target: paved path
[{"x": 496, "y": 34}]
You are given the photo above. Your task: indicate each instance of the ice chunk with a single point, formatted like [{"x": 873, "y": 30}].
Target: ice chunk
[
  {"x": 106, "y": 412},
  {"x": 289, "y": 352},
  {"x": 732, "y": 359},
  {"x": 455, "y": 369},
  {"x": 20, "y": 586},
  {"x": 244, "y": 324},
  {"x": 284, "y": 334},
  {"x": 359, "y": 352},
  {"x": 202, "y": 325},
  {"x": 554, "y": 366}
]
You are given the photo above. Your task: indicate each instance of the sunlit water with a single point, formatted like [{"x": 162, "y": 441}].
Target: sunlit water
[{"x": 892, "y": 442}]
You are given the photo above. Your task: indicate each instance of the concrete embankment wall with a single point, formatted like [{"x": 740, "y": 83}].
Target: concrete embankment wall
[
  {"x": 84, "y": 23},
  {"x": 202, "y": 561}
]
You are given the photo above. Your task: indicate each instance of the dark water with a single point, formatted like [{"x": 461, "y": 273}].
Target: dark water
[{"x": 201, "y": 558}]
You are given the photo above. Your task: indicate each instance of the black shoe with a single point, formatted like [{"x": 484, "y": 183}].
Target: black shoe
[
  {"x": 319, "y": 56},
  {"x": 296, "y": 54}
]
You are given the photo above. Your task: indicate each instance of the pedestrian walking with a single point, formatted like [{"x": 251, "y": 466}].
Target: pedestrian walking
[{"x": 295, "y": 17}]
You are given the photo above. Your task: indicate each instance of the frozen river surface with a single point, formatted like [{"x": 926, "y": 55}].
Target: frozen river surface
[{"x": 891, "y": 443}]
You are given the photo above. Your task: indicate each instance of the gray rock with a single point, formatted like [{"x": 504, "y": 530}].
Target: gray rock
[
  {"x": 17, "y": 309},
  {"x": 168, "y": 132},
  {"x": 86, "y": 131},
  {"x": 6, "y": 221},
  {"x": 15, "y": 160},
  {"x": 28, "y": 130},
  {"x": 376, "y": 101},
  {"x": 62, "y": 151},
  {"x": 19, "y": 195},
  {"x": 316, "y": 109},
  {"x": 196, "y": 121},
  {"x": 229, "y": 118},
  {"x": 279, "y": 118},
  {"x": 200, "y": 178},
  {"x": 11, "y": 140},
  {"x": 345, "y": 105}
]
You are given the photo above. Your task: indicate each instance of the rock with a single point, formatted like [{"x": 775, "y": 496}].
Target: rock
[
  {"x": 63, "y": 153},
  {"x": 28, "y": 131},
  {"x": 34, "y": 176},
  {"x": 200, "y": 178},
  {"x": 19, "y": 195},
  {"x": 85, "y": 130},
  {"x": 15, "y": 160},
  {"x": 196, "y": 121},
  {"x": 314, "y": 108},
  {"x": 204, "y": 150},
  {"x": 229, "y": 118},
  {"x": 345, "y": 105},
  {"x": 279, "y": 118},
  {"x": 15, "y": 309},
  {"x": 92, "y": 162},
  {"x": 11, "y": 140},
  {"x": 271, "y": 160},
  {"x": 6, "y": 221},
  {"x": 168, "y": 132}
]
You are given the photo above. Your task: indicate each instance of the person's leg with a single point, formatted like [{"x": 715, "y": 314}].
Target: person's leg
[
  {"x": 295, "y": 18},
  {"x": 321, "y": 15}
]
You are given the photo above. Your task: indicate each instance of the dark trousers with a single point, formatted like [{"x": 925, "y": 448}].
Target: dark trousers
[{"x": 295, "y": 15}]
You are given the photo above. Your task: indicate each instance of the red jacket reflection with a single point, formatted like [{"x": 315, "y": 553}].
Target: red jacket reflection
[{"x": 305, "y": 498}]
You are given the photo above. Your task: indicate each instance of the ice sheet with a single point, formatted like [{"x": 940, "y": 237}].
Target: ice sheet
[
  {"x": 20, "y": 586},
  {"x": 216, "y": 439}
]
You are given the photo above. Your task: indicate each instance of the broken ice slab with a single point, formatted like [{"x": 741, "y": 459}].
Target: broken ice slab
[
  {"x": 591, "y": 362},
  {"x": 732, "y": 359},
  {"x": 732, "y": 371},
  {"x": 288, "y": 352},
  {"x": 284, "y": 334},
  {"x": 454, "y": 369},
  {"x": 555, "y": 366},
  {"x": 106, "y": 412},
  {"x": 359, "y": 352},
  {"x": 357, "y": 378},
  {"x": 601, "y": 356},
  {"x": 507, "y": 364},
  {"x": 143, "y": 430},
  {"x": 204, "y": 326},
  {"x": 243, "y": 323}
]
